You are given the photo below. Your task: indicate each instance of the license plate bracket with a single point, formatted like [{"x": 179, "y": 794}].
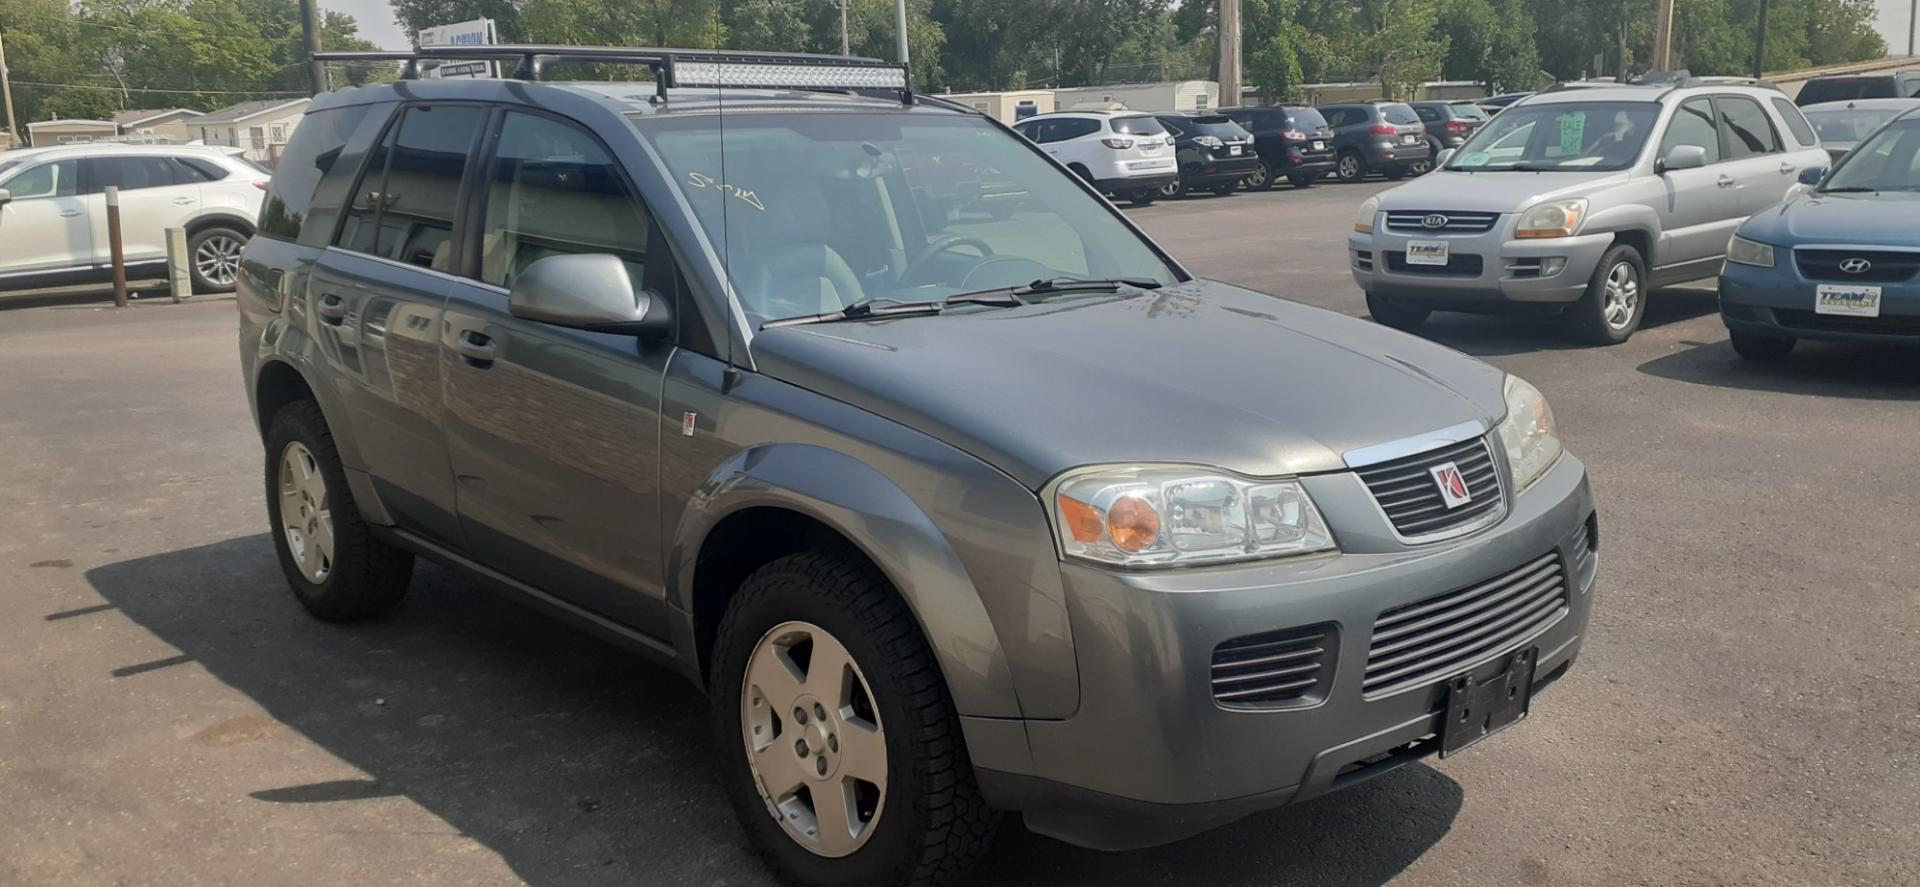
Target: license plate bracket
[
  {"x": 1847, "y": 301},
  {"x": 1479, "y": 709}
]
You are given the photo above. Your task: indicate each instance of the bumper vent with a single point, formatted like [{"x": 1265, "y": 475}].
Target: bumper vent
[
  {"x": 1409, "y": 494},
  {"x": 1882, "y": 267},
  {"x": 1457, "y": 265},
  {"x": 1437, "y": 638},
  {"x": 1415, "y": 222},
  {"x": 1274, "y": 669}
]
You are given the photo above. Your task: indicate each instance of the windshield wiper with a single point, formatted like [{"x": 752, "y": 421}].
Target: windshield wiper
[
  {"x": 883, "y": 306},
  {"x": 1850, "y": 189},
  {"x": 1076, "y": 284}
]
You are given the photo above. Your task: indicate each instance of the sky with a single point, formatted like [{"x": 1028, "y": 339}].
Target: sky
[
  {"x": 1895, "y": 18},
  {"x": 376, "y": 22}
]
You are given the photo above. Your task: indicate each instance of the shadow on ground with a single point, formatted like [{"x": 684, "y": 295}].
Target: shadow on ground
[
  {"x": 1815, "y": 369},
  {"x": 578, "y": 763},
  {"x": 1485, "y": 335}
]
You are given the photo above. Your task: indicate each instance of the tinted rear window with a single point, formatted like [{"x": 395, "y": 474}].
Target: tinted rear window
[
  {"x": 1138, "y": 126},
  {"x": 1306, "y": 118},
  {"x": 316, "y": 144},
  {"x": 1397, "y": 113},
  {"x": 1212, "y": 125},
  {"x": 1834, "y": 89},
  {"x": 1468, "y": 111}
]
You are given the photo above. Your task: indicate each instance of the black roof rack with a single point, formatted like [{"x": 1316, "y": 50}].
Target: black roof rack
[{"x": 715, "y": 68}]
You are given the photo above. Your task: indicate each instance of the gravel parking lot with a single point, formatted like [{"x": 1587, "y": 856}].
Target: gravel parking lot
[{"x": 1747, "y": 711}]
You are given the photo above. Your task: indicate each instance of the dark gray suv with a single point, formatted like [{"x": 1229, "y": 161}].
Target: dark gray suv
[{"x": 949, "y": 510}]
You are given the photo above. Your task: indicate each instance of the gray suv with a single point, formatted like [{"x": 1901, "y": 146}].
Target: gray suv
[
  {"x": 1580, "y": 201},
  {"x": 949, "y": 514}
]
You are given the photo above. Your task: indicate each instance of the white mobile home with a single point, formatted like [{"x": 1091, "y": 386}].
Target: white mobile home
[
  {"x": 1008, "y": 107},
  {"x": 1177, "y": 95}
]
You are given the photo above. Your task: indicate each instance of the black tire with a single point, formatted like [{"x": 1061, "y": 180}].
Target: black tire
[
  {"x": 1589, "y": 318},
  {"x": 216, "y": 242},
  {"x": 1761, "y": 347},
  {"x": 1225, "y": 190},
  {"x": 1350, "y": 166},
  {"x": 1401, "y": 317},
  {"x": 1173, "y": 190},
  {"x": 934, "y": 824},
  {"x": 1395, "y": 173},
  {"x": 1302, "y": 180},
  {"x": 1261, "y": 179},
  {"x": 1143, "y": 197},
  {"x": 1081, "y": 171},
  {"x": 367, "y": 577}
]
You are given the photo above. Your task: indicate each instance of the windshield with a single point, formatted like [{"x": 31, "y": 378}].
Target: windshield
[
  {"x": 1584, "y": 136},
  {"x": 1848, "y": 124},
  {"x": 1890, "y": 161},
  {"x": 812, "y": 212},
  {"x": 1138, "y": 126},
  {"x": 1467, "y": 110}
]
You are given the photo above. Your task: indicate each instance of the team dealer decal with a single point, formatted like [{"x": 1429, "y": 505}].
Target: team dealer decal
[{"x": 701, "y": 180}]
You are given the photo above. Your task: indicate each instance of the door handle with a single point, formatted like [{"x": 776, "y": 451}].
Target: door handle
[
  {"x": 475, "y": 348},
  {"x": 333, "y": 309},
  {"x": 69, "y": 213},
  {"x": 183, "y": 201},
  {"x": 1786, "y": 169},
  {"x": 1725, "y": 181}
]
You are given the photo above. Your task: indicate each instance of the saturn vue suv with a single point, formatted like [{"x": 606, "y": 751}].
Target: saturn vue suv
[
  {"x": 1578, "y": 202},
  {"x": 947, "y": 514}
]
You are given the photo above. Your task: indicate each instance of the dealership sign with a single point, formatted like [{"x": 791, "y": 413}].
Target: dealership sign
[{"x": 479, "y": 32}]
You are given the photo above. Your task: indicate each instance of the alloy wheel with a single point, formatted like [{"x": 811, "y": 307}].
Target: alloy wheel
[
  {"x": 813, "y": 738},
  {"x": 218, "y": 259},
  {"x": 1170, "y": 190},
  {"x": 306, "y": 516},
  {"x": 1349, "y": 167},
  {"x": 1622, "y": 296},
  {"x": 1259, "y": 177}
]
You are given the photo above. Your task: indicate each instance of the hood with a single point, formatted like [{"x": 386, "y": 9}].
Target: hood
[
  {"x": 1493, "y": 192},
  {"x": 1859, "y": 219},
  {"x": 1201, "y": 373}
]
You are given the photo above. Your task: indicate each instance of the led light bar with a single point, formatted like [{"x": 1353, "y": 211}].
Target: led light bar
[{"x": 767, "y": 75}]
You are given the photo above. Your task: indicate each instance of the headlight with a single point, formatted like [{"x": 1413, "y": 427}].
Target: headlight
[
  {"x": 1742, "y": 251},
  {"x": 1146, "y": 515},
  {"x": 1555, "y": 218},
  {"x": 1363, "y": 222},
  {"x": 1528, "y": 433},
  {"x": 1209, "y": 141}
]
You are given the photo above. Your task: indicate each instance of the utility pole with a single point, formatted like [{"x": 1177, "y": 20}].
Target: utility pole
[
  {"x": 900, "y": 25},
  {"x": 844, "y": 46},
  {"x": 1760, "y": 44},
  {"x": 310, "y": 32},
  {"x": 1663, "y": 37},
  {"x": 6, "y": 91},
  {"x": 1913, "y": 12},
  {"x": 1229, "y": 53}
]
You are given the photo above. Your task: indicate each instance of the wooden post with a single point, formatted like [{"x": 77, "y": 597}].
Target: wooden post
[
  {"x": 119, "y": 252},
  {"x": 1663, "y": 37},
  {"x": 6, "y": 93},
  {"x": 179, "y": 277}
]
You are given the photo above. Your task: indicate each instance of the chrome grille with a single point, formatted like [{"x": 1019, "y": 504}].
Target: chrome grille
[
  {"x": 1413, "y": 221},
  {"x": 1275, "y": 668},
  {"x": 1882, "y": 266},
  {"x": 1437, "y": 638},
  {"x": 1407, "y": 492}
]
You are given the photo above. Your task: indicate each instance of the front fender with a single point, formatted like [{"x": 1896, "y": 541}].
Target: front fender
[{"x": 889, "y": 527}]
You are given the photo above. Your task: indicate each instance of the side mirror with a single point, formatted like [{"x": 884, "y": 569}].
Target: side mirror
[
  {"x": 1684, "y": 157},
  {"x": 1812, "y": 175},
  {"x": 589, "y": 291},
  {"x": 1440, "y": 159},
  {"x": 6, "y": 197}
]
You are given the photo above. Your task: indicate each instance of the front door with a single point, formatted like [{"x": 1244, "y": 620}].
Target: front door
[
  {"x": 45, "y": 225},
  {"x": 153, "y": 198},
  {"x": 1700, "y": 207},
  {"x": 554, "y": 433}
]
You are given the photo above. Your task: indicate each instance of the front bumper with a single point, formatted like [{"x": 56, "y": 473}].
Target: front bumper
[
  {"x": 1779, "y": 301},
  {"x": 1151, "y": 757},
  {"x": 1485, "y": 271}
]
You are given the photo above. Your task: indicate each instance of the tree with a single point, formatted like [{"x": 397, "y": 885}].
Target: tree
[
  {"x": 414, "y": 15},
  {"x": 1468, "y": 26}
]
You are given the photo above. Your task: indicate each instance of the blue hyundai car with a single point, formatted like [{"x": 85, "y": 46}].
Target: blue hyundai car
[{"x": 1841, "y": 262}]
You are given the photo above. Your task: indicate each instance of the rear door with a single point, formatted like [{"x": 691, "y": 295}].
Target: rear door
[
  {"x": 379, "y": 294},
  {"x": 45, "y": 224},
  {"x": 1755, "y": 157},
  {"x": 554, "y": 433},
  {"x": 1701, "y": 205},
  {"x": 153, "y": 197}
]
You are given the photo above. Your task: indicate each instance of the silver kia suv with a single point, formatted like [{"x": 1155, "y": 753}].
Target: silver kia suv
[
  {"x": 1579, "y": 202},
  {"x": 948, "y": 513}
]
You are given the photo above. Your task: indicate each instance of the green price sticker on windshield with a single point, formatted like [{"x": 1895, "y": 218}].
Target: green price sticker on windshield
[{"x": 1573, "y": 129}]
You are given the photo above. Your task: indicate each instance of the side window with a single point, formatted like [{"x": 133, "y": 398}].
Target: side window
[
  {"x": 1746, "y": 128},
  {"x": 57, "y": 179},
  {"x": 317, "y": 143},
  {"x": 193, "y": 169},
  {"x": 126, "y": 173},
  {"x": 1692, "y": 124},
  {"x": 412, "y": 185},
  {"x": 1028, "y": 130},
  {"x": 1796, "y": 123},
  {"x": 1428, "y": 115},
  {"x": 1075, "y": 127},
  {"x": 1172, "y": 126},
  {"x": 555, "y": 191},
  {"x": 1041, "y": 131}
]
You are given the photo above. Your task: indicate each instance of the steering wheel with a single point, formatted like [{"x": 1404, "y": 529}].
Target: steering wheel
[{"x": 940, "y": 246}]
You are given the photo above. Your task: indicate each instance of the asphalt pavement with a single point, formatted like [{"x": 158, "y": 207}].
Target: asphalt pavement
[{"x": 1747, "y": 709}]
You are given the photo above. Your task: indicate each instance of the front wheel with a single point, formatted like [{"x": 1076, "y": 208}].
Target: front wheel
[
  {"x": 1761, "y": 347},
  {"x": 1143, "y": 197},
  {"x": 842, "y": 753},
  {"x": 1615, "y": 299},
  {"x": 1261, "y": 179},
  {"x": 213, "y": 259},
  {"x": 1386, "y": 312}
]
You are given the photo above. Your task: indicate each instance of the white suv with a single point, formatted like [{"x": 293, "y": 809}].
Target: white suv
[
  {"x": 1124, "y": 153},
  {"x": 53, "y": 212}
]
